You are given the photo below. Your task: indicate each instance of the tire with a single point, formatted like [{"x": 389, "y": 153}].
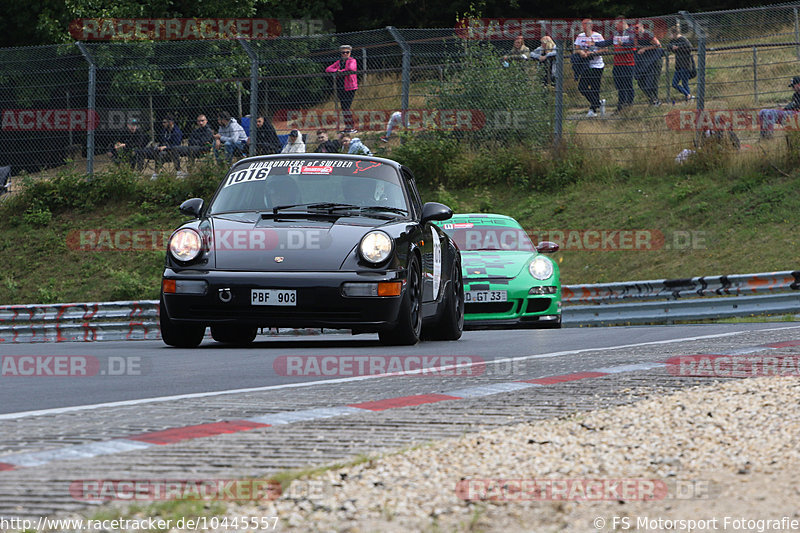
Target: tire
[
  {"x": 179, "y": 335},
  {"x": 409, "y": 324},
  {"x": 240, "y": 335},
  {"x": 451, "y": 324}
]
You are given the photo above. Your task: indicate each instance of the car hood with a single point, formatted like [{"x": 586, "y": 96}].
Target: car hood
[
  {"x": 249, "y": 243},
  {"x": 494, "y": 263}
]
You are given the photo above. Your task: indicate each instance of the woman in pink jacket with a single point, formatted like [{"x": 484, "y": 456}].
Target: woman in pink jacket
[{"x": 346, "y": 85}]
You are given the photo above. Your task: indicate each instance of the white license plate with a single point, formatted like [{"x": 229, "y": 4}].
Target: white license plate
[
  {"x": 485, "y": 296},
  {"x": 273, "y": 297}
]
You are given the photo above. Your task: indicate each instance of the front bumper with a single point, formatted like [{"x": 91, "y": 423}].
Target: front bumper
[
  {"x": 320, "y": 303},
  {"x": 521, "y": 309}
]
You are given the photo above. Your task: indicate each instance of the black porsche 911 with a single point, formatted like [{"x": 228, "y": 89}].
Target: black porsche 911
[{"x": 312, "y": 240}]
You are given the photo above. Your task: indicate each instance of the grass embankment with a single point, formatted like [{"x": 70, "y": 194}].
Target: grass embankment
[{"x": 704, "y": 223}]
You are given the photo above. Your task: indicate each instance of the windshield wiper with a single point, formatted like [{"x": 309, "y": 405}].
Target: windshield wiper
[
  {"x": 384, "y": 208},
  {"x": 314, "y": 205}
]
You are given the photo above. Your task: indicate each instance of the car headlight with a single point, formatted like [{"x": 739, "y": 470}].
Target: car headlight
[
  {"x": 376, "y": 246},
  {"x": 185, "y": 244},
  {"x": 541, "y": 268}
]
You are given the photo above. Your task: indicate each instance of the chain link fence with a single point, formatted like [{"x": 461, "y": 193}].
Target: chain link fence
[{"x": 79, "y": 103}]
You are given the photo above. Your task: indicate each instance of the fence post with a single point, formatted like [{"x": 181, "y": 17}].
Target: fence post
[
  {"x": 91, "y": 105},
  {"x": 253, "y": 94},
  {"x": 364, "y": 66},
  {"x": 701, "y": 59},
  {"x": 667, "y": 79},
  {"x": 796, "y": 32},
  {"x": 406, "y": 76},
  {"x": 755, "y": 73},
  {"x": 558, "y": 125}
]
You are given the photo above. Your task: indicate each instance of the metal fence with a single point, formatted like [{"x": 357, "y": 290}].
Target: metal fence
[
  {"x": 73, "y": 102},
  {"x": 629, "y": 302}
]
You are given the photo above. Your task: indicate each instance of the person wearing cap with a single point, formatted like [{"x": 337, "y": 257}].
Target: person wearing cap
[
  {"x": 767, "y": 118},
  {"x": 128, "y": 145},
  {"x": 231, "y": 135},
  {"x": 295, "y": 144},
  {"x": 346, "y": 85}
]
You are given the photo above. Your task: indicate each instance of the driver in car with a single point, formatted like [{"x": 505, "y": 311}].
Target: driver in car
[{"x": 281, "y": 191}]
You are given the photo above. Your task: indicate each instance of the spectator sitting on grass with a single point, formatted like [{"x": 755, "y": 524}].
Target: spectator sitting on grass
[
  {"x": 295, "y": 144},
  {"x": 129, "y": 145},
  {"x": 231, "y": 135},
  {"x": 326, "y": 145},
  {"x": 354, "y": 146},
  {"x": 200, "y": 141},
  {"x": 767, "y": 118}
]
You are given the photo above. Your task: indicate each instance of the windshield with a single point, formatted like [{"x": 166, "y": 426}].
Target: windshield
[
  {"x": 471, "y": 237},
  {"x": 302, "y": 184}
]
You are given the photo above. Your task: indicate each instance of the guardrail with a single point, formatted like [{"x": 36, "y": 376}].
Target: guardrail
[{"x": 698, "y": 298}]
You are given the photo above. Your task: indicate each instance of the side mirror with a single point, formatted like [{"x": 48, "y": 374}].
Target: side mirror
[
  {"x": 435, "y": 211},
  {"x": 546, "y": 247},
  {"x": 192, "y": 207}
]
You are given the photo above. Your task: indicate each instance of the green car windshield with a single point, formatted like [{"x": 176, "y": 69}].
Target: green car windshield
[{"x": 472, "y": 237}]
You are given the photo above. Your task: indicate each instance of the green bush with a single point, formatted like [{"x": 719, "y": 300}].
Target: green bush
[
  {"x": 515, "y": 103},
  {"x": 39, "y": 198},
  {"x": 429, "y": 156}
]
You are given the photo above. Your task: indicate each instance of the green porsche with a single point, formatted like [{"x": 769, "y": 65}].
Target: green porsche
[{"x": 507, "y": 280}]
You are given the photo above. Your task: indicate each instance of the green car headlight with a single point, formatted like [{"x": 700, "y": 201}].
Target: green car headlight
[{"x": 541, "y": 268}]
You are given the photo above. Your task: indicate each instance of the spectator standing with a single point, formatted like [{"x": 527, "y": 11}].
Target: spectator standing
[
  {"x": 327, "y": 146},
  {"x": 684, "y": 62},
  {"x": 200, "y": 141},
  {"x": 395, "y": 120},
  {"x": 267, "y": 141},
  {"x": 648, "y": 63},
  {"x": 546, "y": 55},
  {"x": 129, "y": 145},
  {"x": 346, "y": 85},
  {"x": 295, "y": 145},
  {"x": 231, "y": 135},
  {"x": 590, "y": 77},
  {"x": 624, "y": 45},
  {"x": 519, "y": 52},
  {"x": 767, "y": 118}
]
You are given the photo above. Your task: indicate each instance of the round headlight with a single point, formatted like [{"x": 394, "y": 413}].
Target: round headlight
[
  {"x": 185, "y": 244},
  {"x": 541, "y": 268},
  {"x": 376, "y": 246}
]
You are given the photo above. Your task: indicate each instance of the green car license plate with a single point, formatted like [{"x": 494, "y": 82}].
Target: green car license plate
[{"x": 485, "y": 296}]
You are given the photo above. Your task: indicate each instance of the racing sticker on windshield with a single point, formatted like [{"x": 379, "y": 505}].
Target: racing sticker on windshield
[
  {"x": 255, "y": 172},
  {"x": 361, "y": 166},
  {"x": 458, "y": 225},
  {"x": 437, "y": 262},
  {"x": 316, "y": 169}
]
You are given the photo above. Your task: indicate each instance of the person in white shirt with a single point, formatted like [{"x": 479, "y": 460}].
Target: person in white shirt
[
  {"x": 592, "y": 75},
  {"x": 295, "y": 145}
]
